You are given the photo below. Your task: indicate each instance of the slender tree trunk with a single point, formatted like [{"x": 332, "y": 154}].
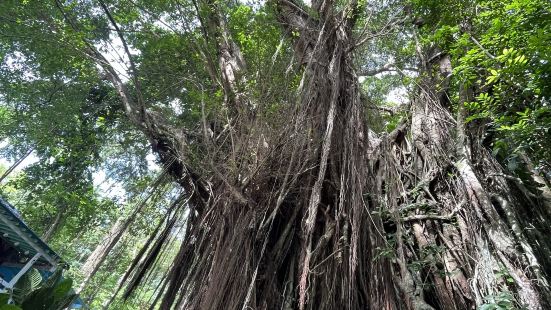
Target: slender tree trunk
[
  {"x": 55, "y": 225},
  {"x": 100, "y": 253},
  {"x": 14, "y": 165}
]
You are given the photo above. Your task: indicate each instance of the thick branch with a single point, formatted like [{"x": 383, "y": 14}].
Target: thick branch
[
  {"x": 168, "y": 142},
  {"x": 292, "y": 15},
  {"x": 388, "y": 67},
  {"x": 231, "y": 63},
  {"x": 420, "y": 217},
  {"x": 390, "y": 26}
]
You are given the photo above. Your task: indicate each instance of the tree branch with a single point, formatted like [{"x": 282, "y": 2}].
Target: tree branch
[
  {"x": 168, "y": 142},
  {"x": 141, "y": 108},
  {"x": 420, "y": 217},
  {"x": 294, "y": 18},
  {"x": 482, "y": 47},
  {"x": 388, "y": 28},
  {"x": 389, "y": 67}
]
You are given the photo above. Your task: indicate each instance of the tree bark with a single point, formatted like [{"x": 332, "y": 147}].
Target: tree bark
[
  {"x": 441, "y": 170},
  {"x": 100, "y": 253},
  {"x": 56, "y": 224}
]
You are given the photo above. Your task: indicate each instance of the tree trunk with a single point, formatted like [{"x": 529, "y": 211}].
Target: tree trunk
[
  {"x": 468, "y": 246},
  {"x": 310, "y": 242},
  {"x": 56, "y": 224},
  {"x": 100, "y": 253}
]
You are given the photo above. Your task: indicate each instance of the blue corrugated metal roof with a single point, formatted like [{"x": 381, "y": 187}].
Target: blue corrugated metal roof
[{"x": 21, "y": 237}]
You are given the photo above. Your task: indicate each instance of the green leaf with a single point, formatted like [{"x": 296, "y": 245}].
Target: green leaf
[
  {"x": 4, "y": 298},
  {"x": 9, "y": 307},
  {"x": 26, "y": 284},
  {"x": 487, "y": 307},
  {"x": 62, "y": 288}
]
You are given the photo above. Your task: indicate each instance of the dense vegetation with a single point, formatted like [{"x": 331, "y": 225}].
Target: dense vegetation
[{"x": 284, "y": 154}]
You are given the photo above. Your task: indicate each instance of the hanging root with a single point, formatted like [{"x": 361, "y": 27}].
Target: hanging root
[
  {"x": 316, "y": 212},
  {"x": 466, "y": 243}
]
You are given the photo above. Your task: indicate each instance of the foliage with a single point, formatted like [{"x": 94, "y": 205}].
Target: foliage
[
  {"x": 501, "y": 52},
  {"x": 501, "y": 301},
  {"x": 33, "y": 293}
]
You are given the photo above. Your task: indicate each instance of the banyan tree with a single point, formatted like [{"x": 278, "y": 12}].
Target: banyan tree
[{"x": 292, "y": 198}]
